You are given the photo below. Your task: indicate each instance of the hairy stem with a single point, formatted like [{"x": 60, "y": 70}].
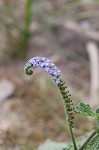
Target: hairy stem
[
  {"x": 73, "y": 138},
  {"x": 87, "y": 140}
]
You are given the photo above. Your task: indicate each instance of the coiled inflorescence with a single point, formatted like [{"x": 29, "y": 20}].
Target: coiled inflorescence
[{"x": 51, "y": 69}]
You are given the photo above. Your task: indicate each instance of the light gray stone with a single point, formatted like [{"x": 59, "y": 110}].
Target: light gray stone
[{"x": 6, "y": 89}]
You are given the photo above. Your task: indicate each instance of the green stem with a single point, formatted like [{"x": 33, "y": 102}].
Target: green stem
[
  {"x": 28, "y": 17},
  {"x": 73, "y": 138},
  {"x": 88, "y": 139}
]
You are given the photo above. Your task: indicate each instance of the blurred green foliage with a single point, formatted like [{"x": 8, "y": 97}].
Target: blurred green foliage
[
  {"x": 18, "y": 18},
  {"x": 17, "y": 31}
]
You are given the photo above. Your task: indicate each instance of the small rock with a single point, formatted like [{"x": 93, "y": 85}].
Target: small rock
[
  {"x": 6, "y": 89},
  {"x": 11, "y": 116}
]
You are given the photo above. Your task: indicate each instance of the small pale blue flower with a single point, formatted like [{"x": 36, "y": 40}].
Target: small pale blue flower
[
  {"x": 32, "y": 60},
  {"x": 42, "y": 64},
  {"x": 54, "y": 77},
  {"x": 46, "y": 69},
  {"x": 57, "y": 81}
]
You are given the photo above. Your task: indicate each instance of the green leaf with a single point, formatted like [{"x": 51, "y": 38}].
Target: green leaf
[
  {"x": 94, "y": 143},
  {"x": 84, "y": 109},
  {"x": 69, "y": 147},
  {"x": 51, "y": 145},
  {"x": 97, "y": 115}
]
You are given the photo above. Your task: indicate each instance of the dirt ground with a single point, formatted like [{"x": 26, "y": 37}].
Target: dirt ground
[{"x": 34, "y": 112}]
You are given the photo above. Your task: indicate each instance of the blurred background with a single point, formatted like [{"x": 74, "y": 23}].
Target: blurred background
[{"x": 67, "y": 32}]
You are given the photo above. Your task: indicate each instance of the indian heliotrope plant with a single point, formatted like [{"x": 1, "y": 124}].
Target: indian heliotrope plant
[{"x": 83, "y": 109}]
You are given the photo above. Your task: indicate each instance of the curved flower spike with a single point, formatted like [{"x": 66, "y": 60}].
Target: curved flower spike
[{"x": 51, "y": 69}]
